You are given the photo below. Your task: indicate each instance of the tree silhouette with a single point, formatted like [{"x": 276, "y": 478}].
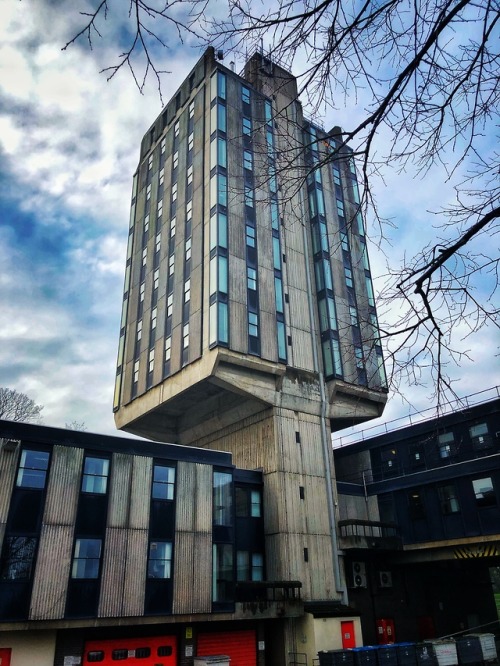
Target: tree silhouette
[{"x": 16, "y": 406}]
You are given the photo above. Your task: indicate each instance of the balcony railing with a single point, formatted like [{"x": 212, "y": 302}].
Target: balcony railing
[
  {"x": 369, "y": 534},
  {"x": 268, "y": 590}
]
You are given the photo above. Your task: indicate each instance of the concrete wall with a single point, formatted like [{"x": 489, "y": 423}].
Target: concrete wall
[{"x": 34, "y": 648}]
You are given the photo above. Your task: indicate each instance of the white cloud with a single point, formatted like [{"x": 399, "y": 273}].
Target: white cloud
[{"x": 70, "y": 143}]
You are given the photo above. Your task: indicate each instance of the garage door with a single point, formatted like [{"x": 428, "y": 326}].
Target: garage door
[{"x": 239, "y": 645}]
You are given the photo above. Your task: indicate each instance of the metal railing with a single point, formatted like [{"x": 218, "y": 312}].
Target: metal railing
[
  {"x": 268, "y": 591},
  {"x": 459, "y": 404}
]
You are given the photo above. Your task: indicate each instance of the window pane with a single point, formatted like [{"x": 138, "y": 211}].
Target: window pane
[
  {"x": 281, "y": 341},
  {"x": 222, "y": 152},
  {"x": 222, "y": 190},
  {"x": 223, "y": 274},
  {"x": 222, "y": 240},
  {"x": 222, "y": 574},
  {"x": 86, "y": 558},
  {"x": 222, "y": 498},
  {"x": 242, "y": 565},
  {"x": 448, "y": 499},
  {"x": 32, "y": 469},
  {"x": 276, "y": 253},
  {"x": 257, "y": 567},
  {"x": 278, "y": 292},
  {"x": 221, "y": 117},
  {"x": 95, "y": 475},
  {"x": 221, "y": 85},
  {"x": 223, "y": 323},
  {"x": 160, "y": 559},
  {"x": 17, "y": 558},
  {"x": 477, "y": 430},
  {"x": 255, "y": 502},
  {"x": 163, "y": 482},
  {"x": 484, "y": 492}
]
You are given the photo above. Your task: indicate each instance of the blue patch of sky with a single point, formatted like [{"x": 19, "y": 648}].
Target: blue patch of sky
[{"x": 45, "y": 247}]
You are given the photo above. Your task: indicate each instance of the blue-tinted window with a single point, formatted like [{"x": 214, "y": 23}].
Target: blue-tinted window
[
  {"x": 281, "y": 340},
  {"x": 222, "y": 228},
  {"x": 276, "y": 253},
  {"x": 95, "y": 475},
  {"x": 253, "y": 324},
  {"x": 86, "y": 558},
  {"x": 221, "y": 152},
  {"x": 221, "y": 117},
  {"x": 250, "y": 235},
  {"x": 245, "y": 95},
  {"x": 223, "y": 323},
  {"x": 247, "y": 126},
  {"x": 222, "y": 286},
  {"x": 278, "y": 293},
  {"x": 160, "y": 559},
  {"x": 247, "y": 159},
  {"x": 32, "y": 471},
  {"x": 223, "y": 498},
  {"x": 221, "y": 85},
  {"x": 163, "y": 482},
  {"x": 222, "y": 190}
]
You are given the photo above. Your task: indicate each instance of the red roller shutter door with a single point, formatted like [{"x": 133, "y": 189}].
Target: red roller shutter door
[{"x": 239, "y": 645}]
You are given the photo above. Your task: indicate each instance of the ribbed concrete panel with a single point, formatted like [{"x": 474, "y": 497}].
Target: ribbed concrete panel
[
  {"x": 299, "y": 311},
  {"x": 64, "y": 486},
  {"x": 185, "y": 489},
  {"x": 202, "y": 507},
  {"x": 299, "y": 569},
  {"x": 272, "y": 510},
  {"x": 252, "y": 444},
  {"x": 183, "y": 572},
  {"x": 296, "y": 269},
  {"x": 320, "y": 567},
  {"x": 140, "y": 493},
  {"x": 269, "y": 344},
  {"x": 8, "y": 467},
  {"x": 290, "y": 449},
  {"x": 52, "y": 572},
  {"x": 194, "y": 497},
  {"x": 302, "y": 351},
  {"x": 192, "y": 573},
  {"x": 113, "y": 573},
  {"x": 315, "y": 505},
  {"x": 202, "y": 578},
  {"x": 310, "y": 436},
  {"x": 135, "y": 573},
  {"x": 278, "y": 567},
  {"x": 293, "y": 519},
  {"x": 119, "y": 492}
]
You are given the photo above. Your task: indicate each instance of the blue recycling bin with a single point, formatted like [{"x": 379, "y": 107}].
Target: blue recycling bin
[
  {"x": 336, "y": 658},
  {"x": 406, "y": 654},
  {"x": 387, "y": 655},
  {"x": 365, "y": 656}
]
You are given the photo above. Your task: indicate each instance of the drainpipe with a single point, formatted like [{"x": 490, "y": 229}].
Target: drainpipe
[{"x": 325, "y": 440}]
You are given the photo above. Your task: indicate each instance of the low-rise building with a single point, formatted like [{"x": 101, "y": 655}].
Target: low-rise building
[
  {"x": 420, "y": 524},
  {"x": 114, "y": 547}
]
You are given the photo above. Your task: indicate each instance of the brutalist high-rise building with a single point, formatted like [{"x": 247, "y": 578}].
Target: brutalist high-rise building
[{"x": 249, "y": 320}]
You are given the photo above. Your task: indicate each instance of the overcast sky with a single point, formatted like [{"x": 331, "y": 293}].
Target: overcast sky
[{"x": 69, "y": 144}]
